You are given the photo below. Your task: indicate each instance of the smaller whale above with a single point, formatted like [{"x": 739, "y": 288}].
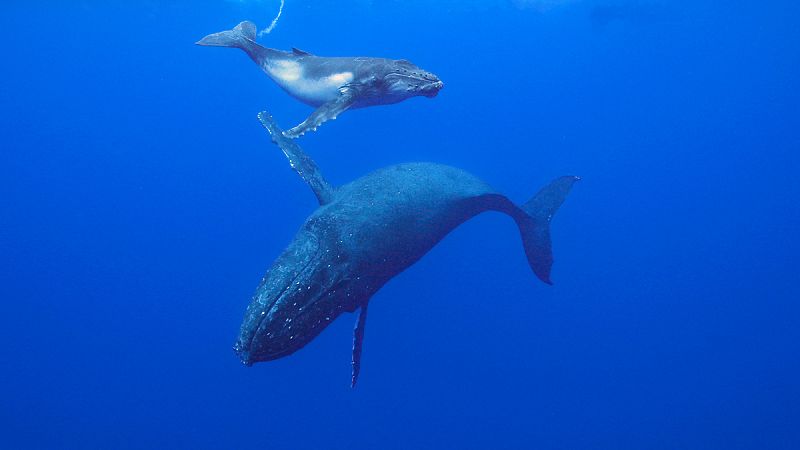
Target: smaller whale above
[
  {"x": 366, "y": 232},
  {"x": 331, "y": 84}
]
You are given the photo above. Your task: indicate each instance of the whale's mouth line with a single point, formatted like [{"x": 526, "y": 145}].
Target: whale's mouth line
[
  {"x": 305, "y": 311},
  {"x": 416, "y": 79},
  {"x": 249, "y": 345},
  {"x": 244, "y": 350},
  {"x": 264, "y": 313}
]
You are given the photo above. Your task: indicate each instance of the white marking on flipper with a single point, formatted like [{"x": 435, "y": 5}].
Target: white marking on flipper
[{"x": 329, "y": 110}]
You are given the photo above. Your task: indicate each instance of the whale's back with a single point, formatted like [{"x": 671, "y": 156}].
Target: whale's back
[
  {"x": 420, "y": 191},
  {"x": 396, "y": 214}
]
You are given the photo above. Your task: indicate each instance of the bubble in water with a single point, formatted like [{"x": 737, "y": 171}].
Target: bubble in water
[{"x": 268, "y": 30}]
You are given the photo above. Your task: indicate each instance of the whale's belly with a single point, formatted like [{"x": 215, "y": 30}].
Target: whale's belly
[{"x": 313, "y": 90}]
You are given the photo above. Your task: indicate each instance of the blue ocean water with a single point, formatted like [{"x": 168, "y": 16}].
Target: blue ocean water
[{"x": 141, "y": 202}]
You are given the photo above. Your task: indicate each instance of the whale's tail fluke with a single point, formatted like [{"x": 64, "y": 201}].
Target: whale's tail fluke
[
  {"x": 241, "y": 36},
  {"x": 535, "y": 227}
]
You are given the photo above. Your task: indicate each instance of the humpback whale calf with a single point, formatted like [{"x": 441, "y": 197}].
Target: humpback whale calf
[
  {"x": 363, "y": 234},
  {"x": 332, "y": 85}
]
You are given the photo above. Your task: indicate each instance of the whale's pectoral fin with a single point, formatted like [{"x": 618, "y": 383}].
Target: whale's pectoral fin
[
  {"x": 299, "y": 160},
  {"x": 358, "y": 341},
  {"x": 326, "y": 112}
]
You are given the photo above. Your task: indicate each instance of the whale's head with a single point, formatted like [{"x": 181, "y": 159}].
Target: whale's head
[
  {"x": 405, "y": 79},
  {"x": 305, "y": 290}
]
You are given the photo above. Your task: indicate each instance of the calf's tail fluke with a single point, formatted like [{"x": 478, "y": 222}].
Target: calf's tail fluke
[
  {"x": 535, "y": 226},
  {"x": 240, "y": 37}
]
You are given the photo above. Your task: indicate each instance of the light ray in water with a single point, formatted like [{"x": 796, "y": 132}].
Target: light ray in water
[{"x": 274, "y": 22}]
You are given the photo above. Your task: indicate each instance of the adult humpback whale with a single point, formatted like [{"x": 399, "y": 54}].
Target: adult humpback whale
[
  {"x": 363, "y": 234},
  {"x": 333, "y": 85}
]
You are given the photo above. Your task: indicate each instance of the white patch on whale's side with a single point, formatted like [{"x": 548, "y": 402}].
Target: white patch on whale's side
[
  {"x": 285, "y": 71},
  {"x": 321, "y": 90},
  {"x": 315, "y": 91},
  {"x": 340, "y": 79}
]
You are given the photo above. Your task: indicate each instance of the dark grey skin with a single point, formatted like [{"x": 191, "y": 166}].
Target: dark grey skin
[
  {"x": 363, "y": 234},
  {"x": 332, "y": 85}
]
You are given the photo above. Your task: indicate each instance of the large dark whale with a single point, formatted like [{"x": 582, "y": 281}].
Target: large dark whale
[
  {"x": 332, "y": 85},
  {"x": 363, "y": 234}
]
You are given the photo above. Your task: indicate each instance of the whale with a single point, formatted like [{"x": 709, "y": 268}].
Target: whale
[
  {"x": 330, "y": 84},
  {"x": 363, "y": 234}
]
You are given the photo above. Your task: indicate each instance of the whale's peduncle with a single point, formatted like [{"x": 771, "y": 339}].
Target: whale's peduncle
[{"x": 243, "y": 36}]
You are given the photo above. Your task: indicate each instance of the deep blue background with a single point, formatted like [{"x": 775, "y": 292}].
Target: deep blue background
[{"x": 141, "y": 202}]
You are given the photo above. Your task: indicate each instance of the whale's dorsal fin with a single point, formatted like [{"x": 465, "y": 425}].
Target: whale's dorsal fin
[
  {"x": 358, "y": 342},
  {"x": 299, "y": 160},
  {"x": 297, "y": 52}
]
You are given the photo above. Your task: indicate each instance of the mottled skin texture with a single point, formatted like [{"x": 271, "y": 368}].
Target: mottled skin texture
[
  {"x": 373, "y": 229},
  {"x": 363, "y": 234},
  {"x": 332, "y": 84}
]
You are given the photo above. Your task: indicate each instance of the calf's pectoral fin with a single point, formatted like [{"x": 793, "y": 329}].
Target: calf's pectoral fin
[
  {"x": 326, "y": 112},
  {"x": 358, "y": 342}
]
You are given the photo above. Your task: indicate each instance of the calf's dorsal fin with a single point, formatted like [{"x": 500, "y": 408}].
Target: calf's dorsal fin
[{"x": 299, "y": 160}]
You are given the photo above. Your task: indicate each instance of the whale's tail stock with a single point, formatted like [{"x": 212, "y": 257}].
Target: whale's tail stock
[
  {"x": 534, "y": 226},
  {"x": 239, "y": 37}
]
